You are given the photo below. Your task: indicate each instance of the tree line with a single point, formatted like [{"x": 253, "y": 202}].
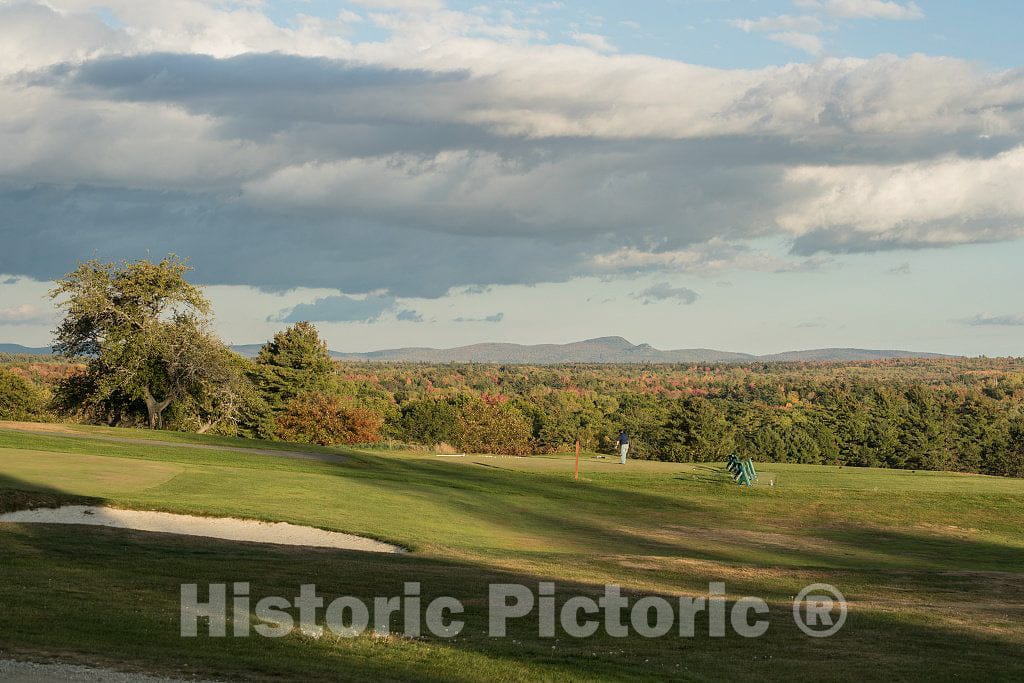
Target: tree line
[{"x": 141, "y": 353}]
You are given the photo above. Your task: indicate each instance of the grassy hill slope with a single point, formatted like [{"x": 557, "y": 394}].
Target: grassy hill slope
[{"x": 931, "y": 562}]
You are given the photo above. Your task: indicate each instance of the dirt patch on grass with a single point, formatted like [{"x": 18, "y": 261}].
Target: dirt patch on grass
[
  {"x": 40, "y": 427},
  {"x": 949, "y": 529}
]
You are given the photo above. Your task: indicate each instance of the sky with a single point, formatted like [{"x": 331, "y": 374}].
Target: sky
[{"x": 757, "y": 176}]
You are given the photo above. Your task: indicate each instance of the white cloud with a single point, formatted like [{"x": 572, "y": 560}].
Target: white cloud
[
  {"x": 516, "y": 161},
  {"x": 350, "y": 17},
  {"x": 27, "y": 315},
  {"x": 804, "y": 23},
  {"x": 595, "y": 42},
  {"x": 404, "y": 5},
  {"x": 950, "y": 200},
  {"x": 800, "y": 31},
  {"x": 23, "y": 314},
  {"x": 35, "y": 35},
  {"x": 49, "y": 137},
  {"x": 868, "y": 9},
  {"x": 39, "y": 33},
  {"x": 809, "y": 43}
]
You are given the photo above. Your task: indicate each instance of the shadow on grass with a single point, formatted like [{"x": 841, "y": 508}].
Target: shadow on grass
[
  {"x": 178, "y": 452},
  {"x": 608, "y": 518},
  {"x": 16, "y": 494},
  {"x": 111, "y": 596}
]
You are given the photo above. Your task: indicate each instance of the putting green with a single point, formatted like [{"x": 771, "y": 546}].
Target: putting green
[{"x": 87, "y": 475}]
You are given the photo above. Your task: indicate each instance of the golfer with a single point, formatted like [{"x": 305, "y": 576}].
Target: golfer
[{"x": 623, "y": 441}]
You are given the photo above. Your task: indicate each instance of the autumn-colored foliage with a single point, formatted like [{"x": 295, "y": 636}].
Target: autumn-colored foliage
[
  {"x": 964, "y": 414},
  {"x": 327, "y": 420},
  {"x": 487, "y": 428},
  {"x": 19, "y": 398}
]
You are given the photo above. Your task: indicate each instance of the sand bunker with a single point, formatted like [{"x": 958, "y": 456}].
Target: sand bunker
[{"x": 226, "y": 528}]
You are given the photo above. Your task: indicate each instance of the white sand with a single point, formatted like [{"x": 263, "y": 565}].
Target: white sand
[
  {"x": 226, "y": 528},
  {"x": 30, "y": 672}
]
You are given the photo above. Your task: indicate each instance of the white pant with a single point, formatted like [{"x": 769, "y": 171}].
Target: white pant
[{"x": 623, "y": 449}]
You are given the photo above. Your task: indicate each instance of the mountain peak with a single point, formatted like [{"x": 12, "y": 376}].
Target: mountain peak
[{"x": 616, "y": 342}]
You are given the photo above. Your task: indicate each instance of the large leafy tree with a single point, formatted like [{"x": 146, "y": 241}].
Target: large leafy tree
[
  {"x": 142, "y": 329},
  {"x": 232, "y": 405}
]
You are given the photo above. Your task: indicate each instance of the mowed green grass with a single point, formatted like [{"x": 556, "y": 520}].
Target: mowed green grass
[
  {"x": 932, "y": 563},
  {"x": 90, "y": 475}
]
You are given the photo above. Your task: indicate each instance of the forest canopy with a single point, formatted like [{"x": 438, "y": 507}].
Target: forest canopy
[{"x": 138, "y": 351}]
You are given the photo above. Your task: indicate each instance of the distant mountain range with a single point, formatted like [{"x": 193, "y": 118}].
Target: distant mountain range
[
  {"x": 600, "y": 350},
  {"x": 32, "y": 350}
]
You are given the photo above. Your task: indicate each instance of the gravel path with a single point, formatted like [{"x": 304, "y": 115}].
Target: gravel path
[
  {"x": 31, "y": 672},
  {"x": 226, "y": 528}
]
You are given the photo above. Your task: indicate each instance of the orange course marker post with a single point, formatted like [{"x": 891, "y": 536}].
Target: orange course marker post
[{"x": 577, "y": 476}]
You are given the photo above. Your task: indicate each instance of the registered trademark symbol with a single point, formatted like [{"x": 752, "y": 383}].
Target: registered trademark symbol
[{"x": 814, "y": 607}]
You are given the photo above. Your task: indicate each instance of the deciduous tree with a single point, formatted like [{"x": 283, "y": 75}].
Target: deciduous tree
[
  {"x": 327, "y": 420},
  {"x": 142, "y": 328}
]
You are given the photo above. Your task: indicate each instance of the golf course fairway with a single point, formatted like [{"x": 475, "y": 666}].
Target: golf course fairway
[{"x": 931, "y": 564}]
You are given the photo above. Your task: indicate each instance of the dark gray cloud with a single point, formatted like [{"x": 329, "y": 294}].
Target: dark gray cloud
[
  {"x": 337, "y": 107},
  {"x": 853, "y": 241},
  {"x": 228, "y": 242},
  {"x": 987, "y": 319},
  {"x": 184, "y": 77},
  {"x": 475, "y": 289},
  {"x": 409, "y": 315},
  {"x": 367, "y": 108},
  {"x": 337, "y": 309},
  {"x": 494, "y": 318},
  {"x": 356, "y": 177},
  {"x": 663, "y": 291}
]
